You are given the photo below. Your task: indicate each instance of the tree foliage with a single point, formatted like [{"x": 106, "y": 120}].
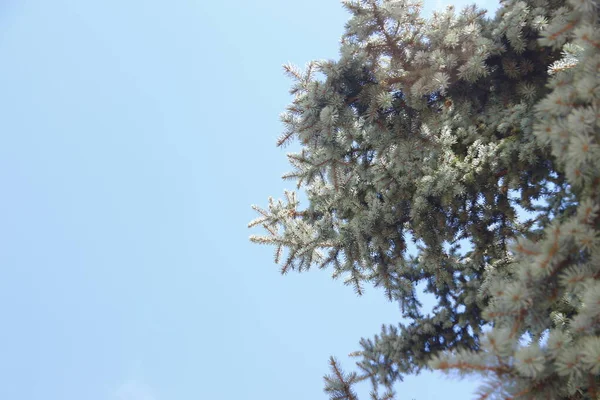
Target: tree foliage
[{"x": 457, "y": 130}]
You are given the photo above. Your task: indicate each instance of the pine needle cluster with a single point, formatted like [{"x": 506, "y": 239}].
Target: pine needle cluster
[{"x": 457, "y": 129}]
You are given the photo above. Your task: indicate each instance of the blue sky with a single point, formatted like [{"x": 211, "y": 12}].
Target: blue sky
[{"x": 134, "y": 137}]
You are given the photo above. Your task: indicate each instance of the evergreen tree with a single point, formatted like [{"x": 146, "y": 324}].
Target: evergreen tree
[{"x": 444, "y": 132}]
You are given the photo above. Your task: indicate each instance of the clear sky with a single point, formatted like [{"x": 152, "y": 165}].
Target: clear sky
[{"x": 134, "y": 135}]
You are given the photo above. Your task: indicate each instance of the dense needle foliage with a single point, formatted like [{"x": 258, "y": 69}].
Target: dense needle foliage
[{"x": 461, "y": 130}]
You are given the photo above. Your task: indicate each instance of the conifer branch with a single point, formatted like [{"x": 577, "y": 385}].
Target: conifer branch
[{"x": 511, "y": 123}]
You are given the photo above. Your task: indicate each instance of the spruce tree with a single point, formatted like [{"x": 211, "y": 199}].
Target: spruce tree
[{"x": 460, "y": 130}]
